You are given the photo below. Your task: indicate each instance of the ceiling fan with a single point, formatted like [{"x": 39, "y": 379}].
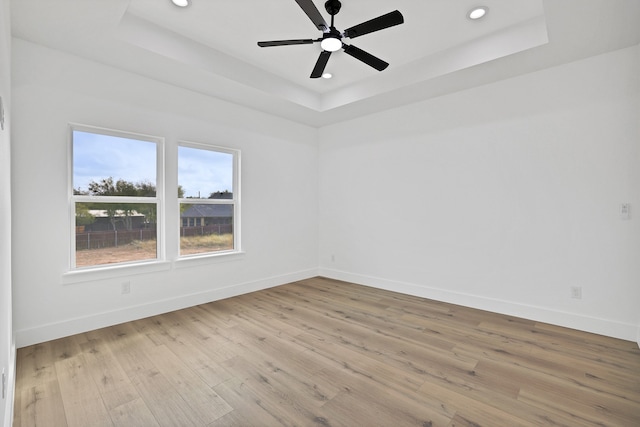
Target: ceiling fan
[{"x": 331, "y": 39}]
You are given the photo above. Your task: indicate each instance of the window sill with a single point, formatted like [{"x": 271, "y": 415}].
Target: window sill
[
  {"x": 109, "y": 272},
  {"x": 210, "y": 258},
  {"x": 122, "y": 270}
]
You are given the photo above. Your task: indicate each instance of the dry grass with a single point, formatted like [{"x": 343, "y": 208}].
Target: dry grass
[
  {"x": 146, "y": 250},
  {"x": 211, "y": 243}
]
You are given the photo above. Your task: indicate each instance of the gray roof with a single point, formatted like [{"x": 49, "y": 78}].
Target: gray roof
[{"x": 208, "y": 211}]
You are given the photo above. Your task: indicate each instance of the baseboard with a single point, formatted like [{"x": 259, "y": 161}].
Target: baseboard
[
  {"x": 51, "y": 331},
  {"x": 43, "y": 333},
  {"x": 606, "y": 327}
]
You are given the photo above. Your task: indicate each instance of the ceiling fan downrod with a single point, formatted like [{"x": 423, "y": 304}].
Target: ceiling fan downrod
[{"x": 333, "y": 7}]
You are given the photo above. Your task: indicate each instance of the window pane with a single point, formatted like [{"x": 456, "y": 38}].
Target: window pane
[
  {"x": 204, "y": 174},
  {"x": 108, "y": 165},
  {"x": 108, "y": 233},
  {"x": 205, "y": 228}
]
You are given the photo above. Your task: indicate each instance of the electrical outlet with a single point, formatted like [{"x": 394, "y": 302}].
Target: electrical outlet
[
  {"x": 625, "y": 211},
  {"x": 333, "y": 258},
  {"x": 126, "y": 287},
  {"x": 576, "y": 292}
]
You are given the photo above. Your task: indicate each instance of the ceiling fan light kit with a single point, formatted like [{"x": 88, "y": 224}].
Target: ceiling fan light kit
[
  {"x": 331, "y": 44},
  {"x": 332, "y": 39}
]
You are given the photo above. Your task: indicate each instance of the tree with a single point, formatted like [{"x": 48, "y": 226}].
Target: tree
[
  {"x": 83, "y": 216},
  {"x": 183, "y": 206},
  {"x": 226, "y": 194},
  {"x": 123, "y": 211}
]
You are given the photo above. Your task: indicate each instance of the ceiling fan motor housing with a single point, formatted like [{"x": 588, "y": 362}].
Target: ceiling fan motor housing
[{"x": 332, "y": 7}]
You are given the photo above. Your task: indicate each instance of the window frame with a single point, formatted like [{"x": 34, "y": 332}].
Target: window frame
[
  {"x": 234, "y": 201},
  {"x": 158, "y": 200}
]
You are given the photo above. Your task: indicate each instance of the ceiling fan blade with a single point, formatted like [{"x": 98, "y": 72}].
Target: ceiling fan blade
[
  {"x": 285, "y": 42},
  {"x": 380, "y": 23},
  {"x": 312, "y": 12},
  {"x": 365, "y": 57},
  {"x": 320, "y": 64}
]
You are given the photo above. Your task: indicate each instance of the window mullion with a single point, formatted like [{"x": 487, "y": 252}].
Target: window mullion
[
  {"x": 114, "y": 199},
  {"x": 208, "y": 201}
]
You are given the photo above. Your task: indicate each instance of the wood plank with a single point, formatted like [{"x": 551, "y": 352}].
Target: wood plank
[
  {"x": 200, "y": 354},
  {"x": 237, "y": 393},
  {"x": 472, "y": 411},
  {"x": 282, "y": 403},
  {"x": 113, "y": 384},
  {"x": 165, "y": 403},
  {"x": 204, "y": 403},
  {"x": 40, "y": 405},
  {"x": 83, "y": 405},
  {"x": 38, "y": 361},
  {"x": 133, "y": 413}
]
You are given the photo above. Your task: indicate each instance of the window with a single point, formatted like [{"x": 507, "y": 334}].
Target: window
[
  {"x": 117, "y": 204},
  {"x": 208, "y": 194},
  {"x": 116, "y": 196}
]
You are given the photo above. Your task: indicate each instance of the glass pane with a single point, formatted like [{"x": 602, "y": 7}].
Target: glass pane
[
  {"x": 106, "y": 165},
  {"x": 109, "y": 233},
  {"x": 205, "y": 228},
  {"x": 204, "y": 174}
]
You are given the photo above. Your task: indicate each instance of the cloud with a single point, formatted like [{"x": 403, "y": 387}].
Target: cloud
[
  {"x": 95, "y": 157},
  {"x": 204, "y": 171},
  {"x": 98, "y": 156}
]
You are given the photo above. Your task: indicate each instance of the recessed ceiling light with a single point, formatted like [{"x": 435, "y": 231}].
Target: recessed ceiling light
[
  {"x": 327, "y": 75},
  {"x": 477, "y": 12},
  {"x": 181, "y": 3}
]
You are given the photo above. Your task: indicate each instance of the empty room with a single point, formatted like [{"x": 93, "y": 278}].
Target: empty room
[{"x": 319, "y": 213}]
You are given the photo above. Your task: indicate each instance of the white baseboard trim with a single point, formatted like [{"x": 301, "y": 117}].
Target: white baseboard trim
[
  {"x": 606, "y": 327},
  {"x": 51, "y": 331}
]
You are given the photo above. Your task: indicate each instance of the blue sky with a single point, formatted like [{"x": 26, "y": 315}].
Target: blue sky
[
  {"x": 204, "y": 171},
  {"x": 98, "y": 156}
]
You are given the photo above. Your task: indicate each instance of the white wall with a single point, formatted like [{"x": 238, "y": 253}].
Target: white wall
[
  {"x": 279, "y": 193},
  {"x": 501, "y": 197},
  {"x": 7, "y": 346}
]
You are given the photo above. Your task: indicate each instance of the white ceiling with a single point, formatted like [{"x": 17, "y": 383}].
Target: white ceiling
[{"x": 210, "y": 47}]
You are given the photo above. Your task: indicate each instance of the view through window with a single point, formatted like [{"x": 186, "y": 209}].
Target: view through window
[
  {"x": 207, "y": 196},
  {"x": 115, "y": 197}
]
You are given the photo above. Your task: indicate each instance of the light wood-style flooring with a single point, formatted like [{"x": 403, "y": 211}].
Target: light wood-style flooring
[{"x": 320, "y": 352}]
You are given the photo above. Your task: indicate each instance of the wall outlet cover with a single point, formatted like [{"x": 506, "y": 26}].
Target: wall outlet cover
[{"x": 625, "y": 211}]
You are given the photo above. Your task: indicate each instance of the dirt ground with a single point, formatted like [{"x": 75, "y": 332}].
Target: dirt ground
[
  {"x": 137, "y": 251},
  {"x": 131, "y": 252}
]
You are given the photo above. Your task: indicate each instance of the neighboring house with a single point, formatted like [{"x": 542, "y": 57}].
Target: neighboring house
[
  {"x": 194, "y": 216},
  {"x": 103, "y": 222},
  {"x": 203, "y": 215}
]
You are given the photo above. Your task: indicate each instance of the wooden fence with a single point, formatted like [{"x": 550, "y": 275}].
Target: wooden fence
[
  {"x": 115, "y": 238},
  {"x": 206, "y": 230},
  {"x": 112, "y": 238}
]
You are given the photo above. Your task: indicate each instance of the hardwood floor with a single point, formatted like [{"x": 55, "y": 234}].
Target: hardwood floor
[{"x": 326, "y": 353}]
